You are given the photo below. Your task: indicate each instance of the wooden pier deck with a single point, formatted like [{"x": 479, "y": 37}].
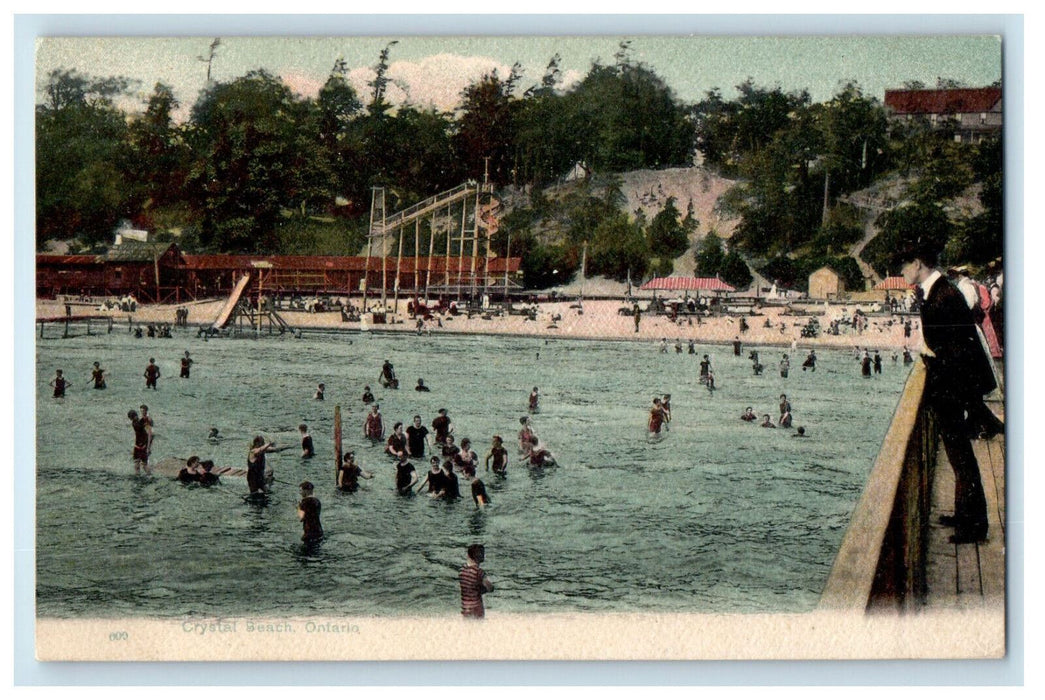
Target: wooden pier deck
[{"x": 969, "y": 576}]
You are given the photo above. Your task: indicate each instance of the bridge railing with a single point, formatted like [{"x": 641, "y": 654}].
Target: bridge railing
[
  {"x": 883, "y": 558},
  {"x": 406, "y": 215}
]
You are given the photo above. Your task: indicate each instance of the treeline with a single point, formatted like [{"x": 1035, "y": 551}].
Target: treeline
[
  {"x": 254, "y": 163},
  {"x": 797, "y": 161},
  {"x": 256, "y": 168}
]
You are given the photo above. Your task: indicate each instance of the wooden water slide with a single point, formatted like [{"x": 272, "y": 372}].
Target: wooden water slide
[{"x": 230, "y": 305}]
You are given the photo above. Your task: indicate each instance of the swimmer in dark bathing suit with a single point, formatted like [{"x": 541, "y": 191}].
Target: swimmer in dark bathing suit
[
  {"x": 538, "y": 456},
  {"x": 152, "y": 374},
  {"x": 417, "y": 439},
  {"x": 451, "y": 488},
  {"x": 434, "y": 479},
  {"x": 59, "y": 383},
  {"x": 405, "y": 476},
  {"x": 190, "y": 473},
  {"x": 442, "y": 426},
  {"x": 349, "y": 473},
  {"x": 142, "y": 441},
  {"x": 479, "y": 495},
  {"x": 396, "y": 445},
  {"x": 308, "y": 450},
  {"x": 499, "y": 455},
  {"x": 309, "y": 508},
  {"x": 206, "y": 476},
  {"x": 186, "y": 365},
  {"x": 449, "y": 449},
  {"x": 256, "y": 463},
  {"x": 98, "y": 376}
]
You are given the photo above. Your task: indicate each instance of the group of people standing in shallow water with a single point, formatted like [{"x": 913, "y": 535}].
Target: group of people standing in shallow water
[
  {"x": 449, "y": 462},
  {"x": 98, "y": 376}
]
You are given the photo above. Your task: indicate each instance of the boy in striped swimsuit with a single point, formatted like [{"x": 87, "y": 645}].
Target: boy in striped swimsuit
[{"x": 474, "y": 582}]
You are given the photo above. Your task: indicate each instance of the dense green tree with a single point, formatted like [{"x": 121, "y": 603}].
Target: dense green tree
[
  {"x": 729, "y": 132},
  {"x": 925, "y": 222},
  {"x": 843, "y": 228},
  {"x": 252, "y": 160},
  {"x": 619, "y": 249},
  {"x": 627, "y": 117},
  {"x": 667, "y": 235},
  {"x": 980, "y": 239},
  {"x": 712, "y": 260},
  {"x": 160, "y": 156},
  {"x": 854, "y": 136},
  {"x": 485, "y": 127},
  {"x": 735, "y": 270},
  {"x": 547, "y": 142},
  {"x": 709, "y": 255},
  {"x": 379, "y": 84},
  {"x": 336, "y": 106},
  {"x": 82, "y": 159}
]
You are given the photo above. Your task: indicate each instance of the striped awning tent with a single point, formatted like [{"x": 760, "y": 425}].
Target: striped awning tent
[
  {"x": 894, "y": 283},
  {"x": 689, "y": 284}
]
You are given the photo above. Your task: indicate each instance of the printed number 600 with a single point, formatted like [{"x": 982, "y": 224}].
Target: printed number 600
[{"x": 117, "y": 636}]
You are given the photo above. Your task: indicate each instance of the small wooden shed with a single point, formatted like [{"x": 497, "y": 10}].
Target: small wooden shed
[{"x": 825, "y": 283}]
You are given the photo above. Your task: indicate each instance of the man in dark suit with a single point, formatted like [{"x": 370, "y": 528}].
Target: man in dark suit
[{"x": 958, "y": 375}]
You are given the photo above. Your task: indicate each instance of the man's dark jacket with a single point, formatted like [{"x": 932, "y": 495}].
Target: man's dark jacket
[{"x": 961, "y": 370}]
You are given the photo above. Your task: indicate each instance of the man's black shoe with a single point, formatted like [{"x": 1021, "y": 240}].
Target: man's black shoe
[
  {"x": 948, "y": 521},
  {"x": 968, "y": 537}
]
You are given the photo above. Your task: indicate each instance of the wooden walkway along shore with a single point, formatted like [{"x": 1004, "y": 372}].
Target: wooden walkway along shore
[{"x": 969, "y": 576}]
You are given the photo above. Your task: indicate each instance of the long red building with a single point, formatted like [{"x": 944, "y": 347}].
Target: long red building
[{"x": 162, "y": 273}]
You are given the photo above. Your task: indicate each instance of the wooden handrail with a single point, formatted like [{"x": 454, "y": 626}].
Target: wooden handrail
[{"x": 863, "y": 561}]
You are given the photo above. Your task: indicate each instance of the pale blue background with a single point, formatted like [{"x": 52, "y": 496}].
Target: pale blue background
[{"x": 29, "y": 672}]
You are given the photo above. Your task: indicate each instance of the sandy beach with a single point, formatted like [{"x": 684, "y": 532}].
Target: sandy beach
[{"x": 599, "y": 319}]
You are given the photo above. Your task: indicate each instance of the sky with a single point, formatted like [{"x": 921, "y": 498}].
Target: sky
[{"x": 432, "y": 71}]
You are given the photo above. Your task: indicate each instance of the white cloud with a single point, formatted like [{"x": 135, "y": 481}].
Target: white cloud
[
  {"x": 570, "y": 78},
  {"x": 432, "y": 81},
  {"x": 302, "y": 84}
]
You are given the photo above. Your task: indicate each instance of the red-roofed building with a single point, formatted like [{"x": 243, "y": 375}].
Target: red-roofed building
[
  {"x": 974, "y": 113},
  {"x": 689, "y": 284},
  {"x": 894, "y": 284}
]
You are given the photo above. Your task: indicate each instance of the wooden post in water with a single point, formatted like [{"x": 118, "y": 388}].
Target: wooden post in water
[{"x": 337, "y": 443}]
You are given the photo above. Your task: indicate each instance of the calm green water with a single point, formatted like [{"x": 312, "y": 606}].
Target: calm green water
[{"x": 720, "y": 515}]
